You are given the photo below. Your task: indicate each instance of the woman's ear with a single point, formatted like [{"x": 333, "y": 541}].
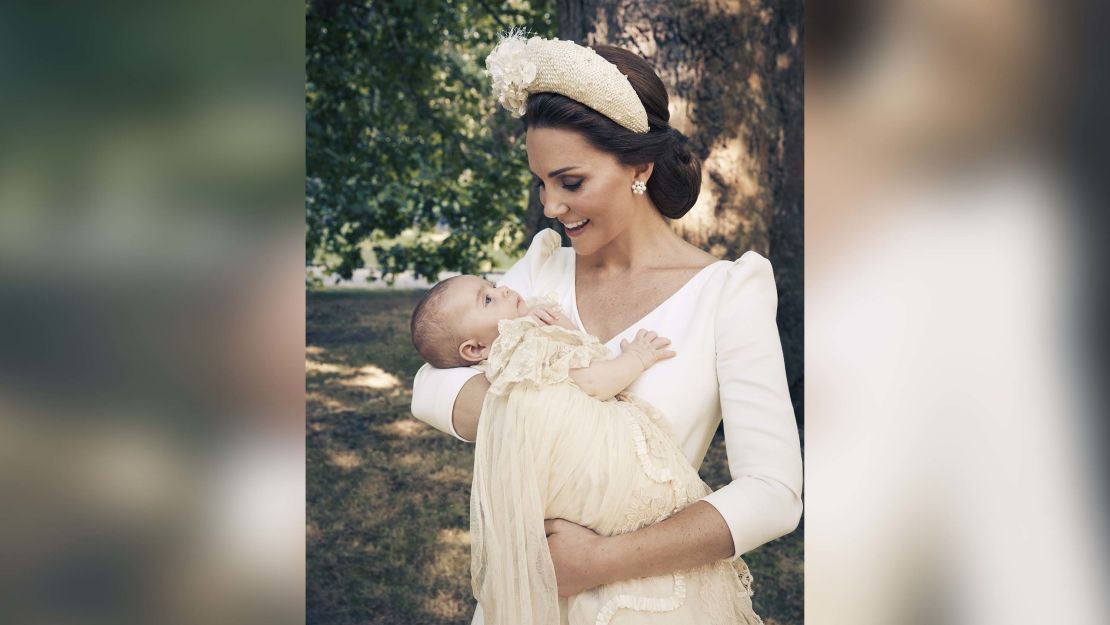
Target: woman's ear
[
  {"x": 643, "y": 171},
  {"x": 473, "y": 351}
]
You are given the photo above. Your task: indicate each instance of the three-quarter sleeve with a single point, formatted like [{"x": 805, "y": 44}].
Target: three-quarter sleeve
[
  {"x": 763, "y": 501},
  {"x": 434, "y": 390}
]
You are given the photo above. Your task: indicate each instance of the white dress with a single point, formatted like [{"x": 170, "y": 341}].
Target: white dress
[
  {"x": 728, "y": 366},
  {"x": 546, "y": 449}
]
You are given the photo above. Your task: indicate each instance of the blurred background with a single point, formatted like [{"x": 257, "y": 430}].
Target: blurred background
[
  {"x": 152, "y": 282},
  {"x": 955, "y": 309},
  {"x": 151, "y": 312},
  {"x": 413, "y": 172}
]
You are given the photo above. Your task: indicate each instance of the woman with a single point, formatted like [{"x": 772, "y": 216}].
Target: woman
[{"x": 612, "y": 171}]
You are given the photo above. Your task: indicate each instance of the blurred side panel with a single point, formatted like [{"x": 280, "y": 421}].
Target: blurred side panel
[
  {"x": 151, "y": 312},
  {"x": 955, "y": 228}
]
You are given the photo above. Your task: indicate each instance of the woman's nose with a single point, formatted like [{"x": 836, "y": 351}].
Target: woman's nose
[{"x": 553, "y": 209}]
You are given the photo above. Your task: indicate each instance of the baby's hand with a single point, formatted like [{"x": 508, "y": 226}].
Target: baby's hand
[
  {"x": 648, "y": 347},
  {"x": 549, "y": 315}
]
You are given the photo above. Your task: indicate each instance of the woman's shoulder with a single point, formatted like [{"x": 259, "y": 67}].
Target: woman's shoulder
[
  {"x": 550, "y": 264},
  {"x": 746, "y": 284},
  {"x": 543, "y": 264},
  {"x": 546, "y": 250},
  {"x": 750, "y": 267},
  {"x": 545, "y": 243}
]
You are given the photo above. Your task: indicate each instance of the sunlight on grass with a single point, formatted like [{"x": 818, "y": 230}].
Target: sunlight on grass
[
  {"x": 453, "y": 475},
  {"x": 346, "y": 460},
  {"x": 313, "y": 366},
  {"x": 447, "y": 606},
  {"x": 373, "y": 377},
  {"x": 410, "y": 459},
  {"x": 329, "y": 404},
  {"x": 449, "y": 563},
  {"x": 454, "y": 537},
  {"x": 406, "y": 427},
  {"x": 314, "y": 350}
]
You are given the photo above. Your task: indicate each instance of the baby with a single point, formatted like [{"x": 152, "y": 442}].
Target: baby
[
  {"x": 557, "y": 438},
  {"x": 456, "y": 324}
]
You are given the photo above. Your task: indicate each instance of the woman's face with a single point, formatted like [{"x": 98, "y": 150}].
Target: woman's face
[{"x": 588, "y": 190}]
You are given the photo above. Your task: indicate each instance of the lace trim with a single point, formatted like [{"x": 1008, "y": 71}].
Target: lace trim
[
  {"x": 527, "y": 352},
  {"x": 644, "y": 604},
  {"x": 746, "y": 578}
]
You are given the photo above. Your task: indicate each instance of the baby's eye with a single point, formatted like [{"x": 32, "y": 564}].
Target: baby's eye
[{"x": 488, "y": 299}]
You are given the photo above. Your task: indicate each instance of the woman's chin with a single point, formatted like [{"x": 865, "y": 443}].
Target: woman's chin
[{"x": 583, "y": 248}]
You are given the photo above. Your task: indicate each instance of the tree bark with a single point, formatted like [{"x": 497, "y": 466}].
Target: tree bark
[{"x": 734, "y": 74}]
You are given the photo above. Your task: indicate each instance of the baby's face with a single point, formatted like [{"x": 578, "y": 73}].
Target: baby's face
[{"x": 480, "y": 305}]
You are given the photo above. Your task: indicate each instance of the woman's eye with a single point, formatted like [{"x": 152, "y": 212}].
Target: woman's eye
[
  {"x": 538, "y": 183},
  {"x": 573, "y": 186}
]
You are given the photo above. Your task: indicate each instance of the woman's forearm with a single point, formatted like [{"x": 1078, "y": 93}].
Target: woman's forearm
[
  {"x": 468, "y": 407},
  {"x": 583, "y": 560},
  {"x": 695, "y": 536}
]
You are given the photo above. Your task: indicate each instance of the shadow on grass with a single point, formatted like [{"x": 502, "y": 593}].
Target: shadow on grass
[{"x": 388, "y": 496}]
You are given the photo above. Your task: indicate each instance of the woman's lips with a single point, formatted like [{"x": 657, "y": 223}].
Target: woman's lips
[{"x": 576, "y": 228}]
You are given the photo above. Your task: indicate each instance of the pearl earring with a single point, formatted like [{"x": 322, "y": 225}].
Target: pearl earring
[{"x": 638, "y": 187}]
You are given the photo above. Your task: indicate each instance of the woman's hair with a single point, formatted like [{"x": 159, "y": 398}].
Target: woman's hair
[{"x": 676, "y": 179}]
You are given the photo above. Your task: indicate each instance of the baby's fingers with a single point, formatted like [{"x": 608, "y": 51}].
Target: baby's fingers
[
  {"x": 664, "y": 354},
  {"x": 624, "y": 344},
  {"x": 660, "y": 342}
]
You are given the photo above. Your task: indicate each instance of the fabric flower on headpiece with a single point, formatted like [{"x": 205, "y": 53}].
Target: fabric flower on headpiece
[
  {"x": 520, "y": 67},
  {"x": 512, "y": 72}
]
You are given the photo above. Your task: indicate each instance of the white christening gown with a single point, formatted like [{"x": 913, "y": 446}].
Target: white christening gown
[{"x": 544, "y": 450}]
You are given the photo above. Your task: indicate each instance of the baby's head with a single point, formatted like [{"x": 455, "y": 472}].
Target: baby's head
[{"x": 456, "y": 322}]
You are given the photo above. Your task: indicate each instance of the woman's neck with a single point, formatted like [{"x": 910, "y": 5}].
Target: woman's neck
[{"x": 643, "y": 244}]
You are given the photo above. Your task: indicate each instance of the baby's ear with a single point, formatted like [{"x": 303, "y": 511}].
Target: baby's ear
[{"x": 473, "y": 351}]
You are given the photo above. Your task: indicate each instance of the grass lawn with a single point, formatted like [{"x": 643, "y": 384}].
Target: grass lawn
[{"x": 388, "y": 496}]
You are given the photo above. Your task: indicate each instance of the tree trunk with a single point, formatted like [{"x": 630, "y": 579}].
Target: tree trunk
[{"x": 734, "y": 74}]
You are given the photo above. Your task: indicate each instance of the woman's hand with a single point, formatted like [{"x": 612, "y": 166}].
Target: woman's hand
[{"x": 576, "y": 552}]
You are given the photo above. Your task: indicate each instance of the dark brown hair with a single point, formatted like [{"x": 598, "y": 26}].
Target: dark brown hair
[{"x": 676, "y": 179}]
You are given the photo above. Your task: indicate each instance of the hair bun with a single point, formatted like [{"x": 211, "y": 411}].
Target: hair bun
[{"x": 676, "y": 180}]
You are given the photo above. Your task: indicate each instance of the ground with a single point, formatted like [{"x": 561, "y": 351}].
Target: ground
[{"x": 388, "y": 496}]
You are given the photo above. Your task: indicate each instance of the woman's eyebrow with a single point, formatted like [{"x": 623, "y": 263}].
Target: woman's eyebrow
[{"x": 557, "y": 171}]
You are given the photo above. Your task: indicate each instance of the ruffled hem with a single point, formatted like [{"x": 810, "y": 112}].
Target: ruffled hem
[{"x": 644, "y": 604}]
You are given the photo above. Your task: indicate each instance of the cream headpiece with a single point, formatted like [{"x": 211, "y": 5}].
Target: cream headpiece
[{"x": 520, "y": 67}]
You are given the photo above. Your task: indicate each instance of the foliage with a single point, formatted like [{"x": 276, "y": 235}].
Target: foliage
[{"x": 403, "y": 136}]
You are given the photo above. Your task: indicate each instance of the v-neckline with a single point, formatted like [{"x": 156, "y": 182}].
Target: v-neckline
[{"x": 582, "y": 322}]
